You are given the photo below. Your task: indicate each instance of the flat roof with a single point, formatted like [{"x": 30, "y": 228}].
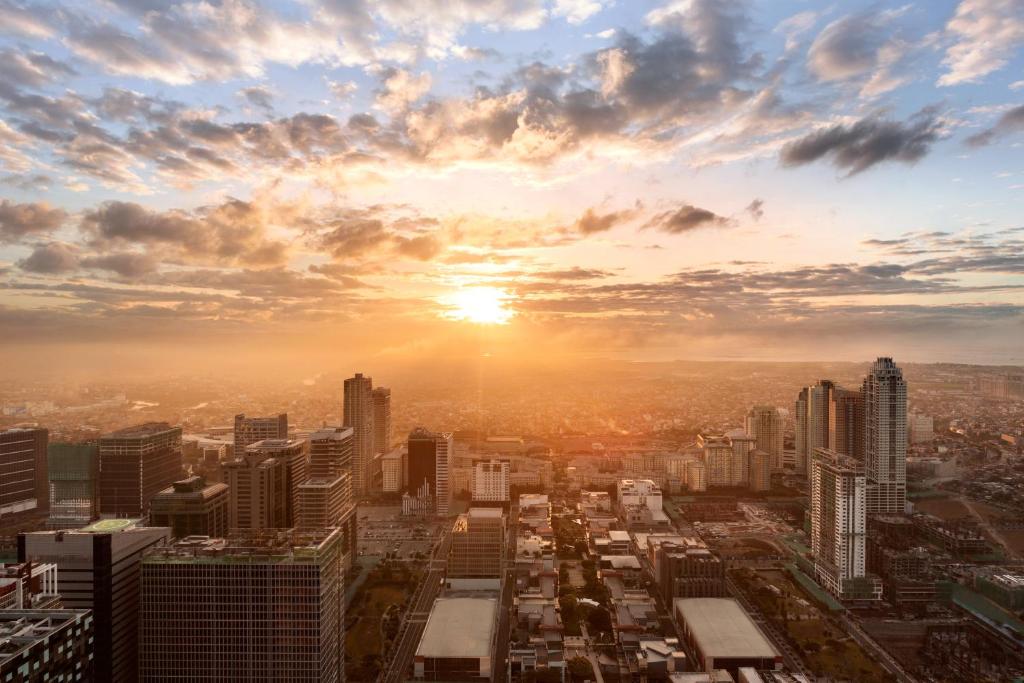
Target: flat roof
[
  {"x": 459, "y": 627},
  {"x": 721, "y": 628},
  {"x": 486, "y": 512},
  {"x": 108, "y": 525}
]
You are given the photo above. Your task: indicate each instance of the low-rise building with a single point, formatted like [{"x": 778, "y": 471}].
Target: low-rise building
[
  {"x": 458, "y": 640},
  {"x": 721, "y": 635}
]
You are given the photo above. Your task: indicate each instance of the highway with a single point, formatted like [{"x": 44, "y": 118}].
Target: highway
[{"x": 416, "y": 618}]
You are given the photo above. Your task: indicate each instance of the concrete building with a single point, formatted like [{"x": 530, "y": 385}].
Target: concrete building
[
  {"x": 760, "y": 476},
  {"x": 39, "y": 646},
  {"x": 725, "y": 458},
  {"x": 294, "y": 453},
  {"x": 137, "y": 463},
  {"x": 190, "y": 507},
  {"x": 392, "y": 467},
  {"x": 885, "y": 438},
  {"x": 74, "y": 471},
  {"x": 720, "y": 635},
  {"x": 24, "y": 485},
  {"x": 254, "y": 606},
  {"x": 98, "y": 570},
  {"x": 249, "y": 430},
  {"x": 358, "y": 414},
  {"x": 839, "y": 525},
  {"x": 848, "y": 436},
  {"x": 429, "y": 456},
  {"x": 381, "y": 420},
  {"x": 29, "y": 585},
  {"x": 324, "y": 502},
  {"x": 491, "y": 482},
  {"x": 257, "y": 492},
  {"x": 458, "y": 641},
  {"x": 687, "y": 571},
  {"x": 696, "y": 476},
  {"x": 766, "y": 426},
  {"x": 477, "y": 552}
]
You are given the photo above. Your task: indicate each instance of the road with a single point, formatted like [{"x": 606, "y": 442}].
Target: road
[
  {"x": 508, "y": 590},
  {"x": 416, "y": 618},
  {"x": 992, "y": 531},
  {"x": 877, "y": 652},
  {"x": 792, "y": 659},
  {"x": 591, "y": 655}
]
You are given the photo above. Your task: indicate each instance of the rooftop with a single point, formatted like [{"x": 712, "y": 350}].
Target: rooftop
[
  {"x": 106, "y": 526},
  {"x": 721, "y": 628},
  {"x": 331, "y": 434},
  {"x": 139, "y": 431},
  {"x": 268, "y": 546},
  {"x": 459, "y": 627}
]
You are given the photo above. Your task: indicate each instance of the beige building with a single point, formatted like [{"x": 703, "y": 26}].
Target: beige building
[{"x": 478, "y": 547}]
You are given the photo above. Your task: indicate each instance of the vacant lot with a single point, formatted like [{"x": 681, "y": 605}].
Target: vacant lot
[{"x": 943, "y": 508}]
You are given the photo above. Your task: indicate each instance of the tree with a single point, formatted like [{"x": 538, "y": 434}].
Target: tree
[
  {"x": 599, "y": 620},
  {"x": 580, "y": 669}
]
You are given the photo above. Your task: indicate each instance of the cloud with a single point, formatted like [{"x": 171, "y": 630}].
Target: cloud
[
  {"x": 1012, "y": 121},
  {"x": 755, "y": 209},
  {"x": 31, "y": 68},
  {"x": 685, "y": 218},
  {"x": 52, "y": 258},
  {"x": 985, "y": 34},
  {"x": 400, "y": 88},
  {"x": 18, "y": 221},
  {"x": 259, "y": 96},
  {"x": 234, "y": 232},
  {"x": 593, "y": 222},
  {"x": 856, "y": 147},
  {"x": 858, "y": 46},
  {"x": 577, "y": 11},
  {"x": 421, "y": 247},
  {"x": 342, "y": 91},
  {"x": 125, "y": 264}
]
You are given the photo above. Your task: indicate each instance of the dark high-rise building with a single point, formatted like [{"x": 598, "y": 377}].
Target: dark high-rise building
[
  {"x": 429, "y": 456},
  {"x": 326, "y": 502},
  {"x": 690, "y": 572},
  {"x": 257, "y": 492},
  {"x": 381, "y": 420},
  {"x": 136, "y": 463},
  {"x": 885, "y": 438},
  {"x": 191, "y": 508},
  {"x": 815, "y": 422},
  {"x": 98, "y": 569},
  {"x": 261, "y": 606},
  {"x": 294, "y": 453},
  {"x": 849, "y": 439},
  {"x": 24, "y": 484},
  {"x": 249, "y": 430},
  {"x": 478, "y": 546},
  {"x": 39, "y": 646},
  {"x": 74, "y": 471},
  {"x": 358, "y": 414}
]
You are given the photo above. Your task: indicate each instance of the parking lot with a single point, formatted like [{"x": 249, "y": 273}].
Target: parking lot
[{"x": 384, "y": 532}]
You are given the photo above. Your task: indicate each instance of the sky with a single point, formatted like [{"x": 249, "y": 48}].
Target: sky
[{"x": 309, "y": 181}]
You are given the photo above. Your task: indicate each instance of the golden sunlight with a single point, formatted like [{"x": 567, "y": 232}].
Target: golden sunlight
[{"x": 478, "y": 304}]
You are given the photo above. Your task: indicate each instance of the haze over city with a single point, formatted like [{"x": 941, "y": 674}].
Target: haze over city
[{"x": 512, "y": 341}]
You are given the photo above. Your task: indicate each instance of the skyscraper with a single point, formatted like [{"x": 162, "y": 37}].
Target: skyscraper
[
  {"x": 136, "y": 463},
  {"x": 849, "y": 437},
  {"x": 358, "y": 414},
  {"x": 381, "y": 420},
  {"x": 257, "y": 492},
  {"x": 760, "y": 478},
  {"x": 24, "y": 484},
  {"x": 477, "y": 550},
  {"x": 330, "y": 456},
  {"x": 191, "y": 508},
  {"x": 267, "y": 606},
  {"x": 429, "y": 463},
  {"x": 98, "y": 569},
  {"x": 249, "y": 430},
  {"x": 885, "y": 437},
  {"x": 815, "y": 422},
  {"x": 839, "y": 524},
  {"x": 765, "y": 424},
  {"x": 74, "y": 471},
  {"x": 491, "y": 481}
]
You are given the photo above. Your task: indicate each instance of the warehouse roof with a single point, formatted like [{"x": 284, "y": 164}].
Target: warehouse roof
[
  {"x": 721, "y": 628},
  {"x": 459, "y": 627}
]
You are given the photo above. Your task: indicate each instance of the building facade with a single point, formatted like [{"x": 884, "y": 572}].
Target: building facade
[
  {"x": 257, "y": 492},
  {"x": 491, "y": 481},
  {"x": 74, "y": 471},
  {"x": 766, "y": 425},
  {"x": 258, "y": 606},
  {"x": 885, "y": 438},
  {"x": 190, "y": 507},
  {"x": 478, "y": 546},
  {"x": 98, "y": 570},
  {"x": 136, "y": 463},
  {"x": 249, "y": 430},
  {"x": 358, "y": 414},
  {"x": 294, "y": 453},
  {"x": 24, "y": 483},
  {"x": 429, "y": 456},
  {"x": 381, "y": 420},
  {"x": 39, "y": 646}
]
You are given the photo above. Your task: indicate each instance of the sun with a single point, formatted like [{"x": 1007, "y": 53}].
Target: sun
[{"x": 478, "y": 304}]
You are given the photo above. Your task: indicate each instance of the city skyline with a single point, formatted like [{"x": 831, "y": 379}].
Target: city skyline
[{"x": 651, "y": 180}]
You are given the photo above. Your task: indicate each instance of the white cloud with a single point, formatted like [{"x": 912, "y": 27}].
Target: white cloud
[
  {"x": 577, "y": 11},
  {"x": 986, "y": 34}
]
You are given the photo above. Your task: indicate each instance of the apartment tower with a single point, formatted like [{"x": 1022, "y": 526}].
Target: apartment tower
[
  {"x": 24, "y": 484},
  {"x": 885, "y": 437},
  {"x": 136, "y": 463},
  {"x": 358, "y": 414}
]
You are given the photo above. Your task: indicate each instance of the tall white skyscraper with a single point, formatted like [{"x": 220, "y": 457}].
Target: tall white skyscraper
[
  {"x": 491, "y": 481},
  {"x": 358, "y": 414},
  {"x": 839, "y": 524},
  {"x": 885, "y": 437},
  {"x": 765, "y": 425}
]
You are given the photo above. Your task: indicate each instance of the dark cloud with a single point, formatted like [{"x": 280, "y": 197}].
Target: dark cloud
[
  {"x": 684, "y": 219},
  {"x": 258, "y": 96},
  {"x": 870, "y": 141},
  {"x": 755, "y": 209},
  {"x": 18, "y": 221},
  {"x": 35, "y": 69},
  {"x": 421, "y": 247},
  {"x": 1009, "y": 123},
  {"x": 592, "y": 222},
  {"x": 50, "y": 259},
  {"x": 125, "y": 264}
]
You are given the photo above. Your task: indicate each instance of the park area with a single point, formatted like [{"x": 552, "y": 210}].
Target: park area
[
  {"x": 821, "y": 642},
  {"x": 373, "y": 618}
]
